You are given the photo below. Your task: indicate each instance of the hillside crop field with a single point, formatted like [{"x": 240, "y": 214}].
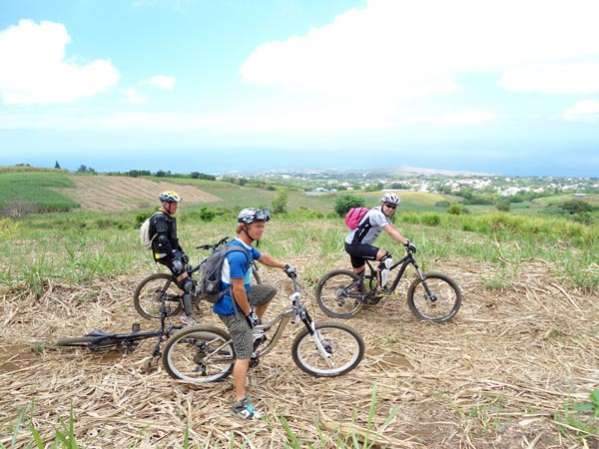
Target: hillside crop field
[
  {"x": 34, "y": 191},
  {"x": 515, "y": 368},
  {"x": 116, "y": 193}
]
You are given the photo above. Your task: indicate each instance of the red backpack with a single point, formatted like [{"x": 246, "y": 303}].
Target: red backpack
[{"x": 354, "y": 217}]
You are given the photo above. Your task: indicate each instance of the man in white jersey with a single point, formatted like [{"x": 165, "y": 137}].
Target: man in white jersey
[{"x": 359, "y": 242}]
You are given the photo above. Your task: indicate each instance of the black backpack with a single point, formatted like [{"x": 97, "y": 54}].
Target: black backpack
[{"x": 212, "y": 270}]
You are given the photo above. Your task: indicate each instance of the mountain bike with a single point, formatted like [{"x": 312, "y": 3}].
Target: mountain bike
[
  {"x": 151, "y": 290},
  {"x": 99, "y": 340},
  {"x": 205, "y": 353},
  {"x": 431, "y": 296}
]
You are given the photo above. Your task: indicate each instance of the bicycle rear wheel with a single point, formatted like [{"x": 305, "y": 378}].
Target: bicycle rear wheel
[
  {"x": 199, "y": 354},
  {"x": 337, "y": 294},
  {"x": 147, "y": 296}
]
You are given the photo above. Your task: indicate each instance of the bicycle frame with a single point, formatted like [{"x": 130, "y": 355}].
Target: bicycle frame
[
  {"x": 404, "y": 262},
  {"x": 128, "y": 341},
  {"x": 296, "y": 312}
]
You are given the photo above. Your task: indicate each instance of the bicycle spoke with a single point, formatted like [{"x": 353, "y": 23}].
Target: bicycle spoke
[
  {"x": 340, "y": 295},
  {"x": 150, "y": 295},
  {"x": 200, "y": 356},
  {"x": 340, "y": 347}
]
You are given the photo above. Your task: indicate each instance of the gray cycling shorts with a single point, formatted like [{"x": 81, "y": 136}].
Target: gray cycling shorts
[{"x": 241, "y": 333}]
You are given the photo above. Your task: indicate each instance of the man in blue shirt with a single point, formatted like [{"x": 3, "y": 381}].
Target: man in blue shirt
[{"x": 242, "y": 305}]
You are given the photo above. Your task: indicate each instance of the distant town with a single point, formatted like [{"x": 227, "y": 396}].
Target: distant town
[{"x": 317, "y": 182}]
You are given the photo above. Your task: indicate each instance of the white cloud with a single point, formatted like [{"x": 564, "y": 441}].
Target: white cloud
[
  {"x": 163, "y": 82},
  {"x": 583, "y": 110},
  {"x": 553, "y": 78},
  {"x": 35, "y": 70},
  {"x": 395, "y": 48},
  {"x": 463, "y": 117},
  {"x": 134, "y": 97}
]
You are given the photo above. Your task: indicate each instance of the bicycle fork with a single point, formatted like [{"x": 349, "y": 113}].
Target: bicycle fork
[
  {"x": 323, "y": 348},
  {"x": 429, "y": 294}
]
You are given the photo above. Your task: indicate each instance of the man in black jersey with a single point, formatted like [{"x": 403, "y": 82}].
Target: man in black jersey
[{"x": 167, "y": 250}]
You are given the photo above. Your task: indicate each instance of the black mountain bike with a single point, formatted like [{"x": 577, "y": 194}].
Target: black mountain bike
[
  {"x": 99, "y": 340},
  {"x": 431, "y": 296},
  {"x": 203, "y": 353},
  {"x": 156, "y": 287}
]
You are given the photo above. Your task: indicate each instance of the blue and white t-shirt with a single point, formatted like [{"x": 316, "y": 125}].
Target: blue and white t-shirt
[{"x": 235, "y": 266}]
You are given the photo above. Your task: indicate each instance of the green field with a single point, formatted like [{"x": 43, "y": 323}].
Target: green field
[
  {"x": 31, "y": 191},
  {"x": 81, "y": 246}
]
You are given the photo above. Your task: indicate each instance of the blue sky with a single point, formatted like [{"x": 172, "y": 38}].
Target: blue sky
[{"x": 496, "y": 86}]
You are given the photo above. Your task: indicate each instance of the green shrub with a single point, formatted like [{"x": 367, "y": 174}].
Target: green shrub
[
  {"x": 279, "y": 203},
  {"x": 467, "y": 227},
  {"x": 207, "y": 214},
  {"x": 430, "y": 219},
  {"x": 345, "y": 202},
  {"x": 583, "y": 217},
  {"x": 141, "y": 217},
  {"x": 455, "y": 209},
  {"x": 575, "y": 207},
  {"x": 444, "y": 204},
  {"x": 503, "y": 204}
]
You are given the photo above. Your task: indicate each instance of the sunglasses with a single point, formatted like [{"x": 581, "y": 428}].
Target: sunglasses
[
  {"x": 262, "y": 215},
  {"x": 391, "y": 206}
]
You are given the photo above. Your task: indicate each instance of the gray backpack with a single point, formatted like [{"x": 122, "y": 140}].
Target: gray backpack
[{"x": 211, "y": 273}]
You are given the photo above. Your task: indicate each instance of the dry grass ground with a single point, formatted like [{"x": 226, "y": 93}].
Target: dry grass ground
[
  {"x": 499, "y": 376},
  {"x": 117, "y": 193}
]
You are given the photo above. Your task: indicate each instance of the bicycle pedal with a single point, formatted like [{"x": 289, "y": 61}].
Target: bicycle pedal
[{"x": 135, "y": 328}]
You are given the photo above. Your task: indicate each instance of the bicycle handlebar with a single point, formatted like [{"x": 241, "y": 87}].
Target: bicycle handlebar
[
  {"x": 295, "y": 282},
  {"x": 208, "y": 246}
]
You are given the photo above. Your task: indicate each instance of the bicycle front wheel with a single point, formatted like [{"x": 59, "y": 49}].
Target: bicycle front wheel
[
  {"x": 337, "y": 294},
  {"x": 436, "y": 298},
  {"x": 148, "y": 296},
  {"x": 333, "y": 350},
  {"x": 199, "y": 354}
]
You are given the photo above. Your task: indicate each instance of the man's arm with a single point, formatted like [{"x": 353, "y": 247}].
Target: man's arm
[
  {"x": 240, "y": 296},
  {"x": 395, "y": 234},
  {"x": 267, "y": 260}
]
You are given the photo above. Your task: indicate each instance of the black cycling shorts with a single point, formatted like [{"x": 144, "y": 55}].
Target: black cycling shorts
[{"x": 361, "y": 252}]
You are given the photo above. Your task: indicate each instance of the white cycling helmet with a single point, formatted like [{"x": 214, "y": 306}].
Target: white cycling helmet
[
  {"x": 390, "y": 198},
  {"x": 170, "y": 196},
  {"x": 250, "y": 215}
]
